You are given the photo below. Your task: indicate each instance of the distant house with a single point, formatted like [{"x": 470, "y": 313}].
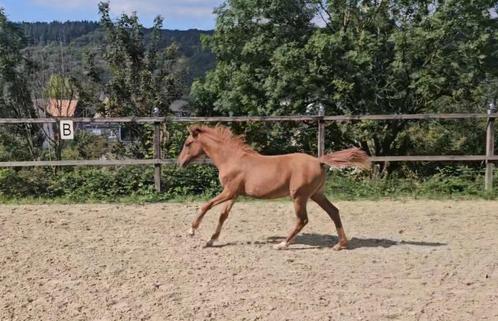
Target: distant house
[
  {"x": 111, "y": 131},
  {"x": 56, "y": 107},
  {"x": 180, "y": 108},
  {"x": 69, "y": 108}
]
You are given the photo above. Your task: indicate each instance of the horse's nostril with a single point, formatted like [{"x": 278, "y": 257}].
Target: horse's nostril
[{"x": 182, "y": 163}]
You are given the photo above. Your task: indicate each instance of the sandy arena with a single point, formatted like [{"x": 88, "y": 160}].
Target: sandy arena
[{"x": 413, "y": 260}]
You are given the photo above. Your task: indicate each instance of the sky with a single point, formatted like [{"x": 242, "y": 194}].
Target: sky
[{"x": 178, "y": 14}]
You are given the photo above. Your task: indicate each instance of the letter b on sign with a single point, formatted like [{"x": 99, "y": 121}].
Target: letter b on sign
[{"x": 67, "y": 129}]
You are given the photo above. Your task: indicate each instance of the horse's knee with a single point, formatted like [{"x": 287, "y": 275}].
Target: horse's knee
[
  {"x": 304, "y": 221},
  {"x": 204, "y": 208}
]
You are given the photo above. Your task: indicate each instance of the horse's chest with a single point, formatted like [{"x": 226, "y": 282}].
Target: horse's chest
[{"x": 228, "y": 178}]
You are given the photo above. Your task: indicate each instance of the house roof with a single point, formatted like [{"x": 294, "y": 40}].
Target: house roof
[{"x": 58, "y": 107}]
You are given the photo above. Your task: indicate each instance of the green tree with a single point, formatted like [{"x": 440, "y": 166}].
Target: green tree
[
  {"x": 369, "y": 57},
  {"x": 61, "y": 88},
  {"x": 90, "y": 87},
  {"x": 254, "y": 41},
  {"x": 143, "y": 76},
  {"x": 15, "y": 100}
]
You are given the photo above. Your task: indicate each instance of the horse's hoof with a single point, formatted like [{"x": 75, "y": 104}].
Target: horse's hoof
[
  {"x": 339, "y": 247},
  {"x": 191, "y": 232},
  {"x": 209, "y": 243},
  {"x": 281, "y": 246}
]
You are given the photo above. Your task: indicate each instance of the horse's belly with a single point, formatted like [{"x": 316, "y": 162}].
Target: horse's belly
[{"x": 266, "y": 187}]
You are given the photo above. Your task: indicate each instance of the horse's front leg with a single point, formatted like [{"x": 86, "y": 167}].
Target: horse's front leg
[
  {"x": 223, "y": 197},
  {"x": 221, "y": 220}
]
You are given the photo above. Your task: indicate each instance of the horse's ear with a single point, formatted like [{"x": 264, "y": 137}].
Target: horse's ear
[{"x": 194, "y": 131}]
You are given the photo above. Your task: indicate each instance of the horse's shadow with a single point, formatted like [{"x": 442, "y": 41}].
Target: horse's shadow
[{"x": 314, "y": 240}]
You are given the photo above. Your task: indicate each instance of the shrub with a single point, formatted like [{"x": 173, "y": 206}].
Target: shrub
[{"x": 200, "y": 181}]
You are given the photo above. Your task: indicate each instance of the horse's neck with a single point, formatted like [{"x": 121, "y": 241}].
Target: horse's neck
[{"x": 218, "y": 152}]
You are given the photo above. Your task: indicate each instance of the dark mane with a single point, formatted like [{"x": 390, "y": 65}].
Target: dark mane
[{"x": 225, "y": 135}]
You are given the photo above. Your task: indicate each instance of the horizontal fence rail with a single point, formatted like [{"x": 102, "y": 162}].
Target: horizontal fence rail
[
  {"x": 445, "y": 158},
  {"x": 172, "y": 161},
  {"x": 99, "y": 162},
  {"x": 320, "y": 119},
  {"x": 241, "y": 119}
]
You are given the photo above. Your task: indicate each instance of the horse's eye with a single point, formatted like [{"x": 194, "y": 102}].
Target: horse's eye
[{"x": 188, "y": 144}]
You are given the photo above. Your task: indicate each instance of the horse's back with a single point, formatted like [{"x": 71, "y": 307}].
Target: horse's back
[
  {"x": 281, "y": 175},
  {"x": 289, "y": 163}
]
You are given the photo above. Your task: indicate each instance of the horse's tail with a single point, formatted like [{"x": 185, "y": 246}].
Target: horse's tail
[{"x": 352, "y": 157}]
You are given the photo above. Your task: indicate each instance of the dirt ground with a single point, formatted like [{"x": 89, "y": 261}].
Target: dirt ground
[{"x": 413, "y": 260}]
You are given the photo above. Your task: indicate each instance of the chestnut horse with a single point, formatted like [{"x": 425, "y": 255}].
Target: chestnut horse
[{"x": 243, "y": 171}]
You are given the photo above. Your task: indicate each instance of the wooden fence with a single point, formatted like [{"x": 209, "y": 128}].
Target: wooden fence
[{"x": 320, "y": 120}]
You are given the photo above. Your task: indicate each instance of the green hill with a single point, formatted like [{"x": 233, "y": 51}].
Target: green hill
[{"x": 51, "y": 41}]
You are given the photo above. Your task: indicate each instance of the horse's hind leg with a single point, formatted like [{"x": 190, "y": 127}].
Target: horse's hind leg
[
  {"x": 222, "y": 219},
  {"x": 333, "y": 212},
  {"x": 301, "y": 221}
]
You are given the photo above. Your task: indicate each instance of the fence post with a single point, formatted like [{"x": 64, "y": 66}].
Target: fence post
[
  {"x": 157, "y": 151},
  {"x": 321, "y": 130},
  {"x": 157, "y": 155},
  {"x": 490, "y": 148}
]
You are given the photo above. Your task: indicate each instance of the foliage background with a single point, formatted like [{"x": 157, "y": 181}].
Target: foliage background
[{"x": 265, "y": 57}]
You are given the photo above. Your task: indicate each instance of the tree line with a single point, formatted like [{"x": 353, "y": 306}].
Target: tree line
[
  {"x": 364, "y": 57},
  {"x": 111, "y": 67},
  {"x": 272, "y": 57}
]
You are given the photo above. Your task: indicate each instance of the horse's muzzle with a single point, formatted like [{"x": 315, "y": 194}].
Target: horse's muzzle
[{"x": 182, "y": 164}]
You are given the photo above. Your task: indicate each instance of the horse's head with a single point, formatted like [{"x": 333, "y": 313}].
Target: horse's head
[{"x": 192, "y": 147}]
